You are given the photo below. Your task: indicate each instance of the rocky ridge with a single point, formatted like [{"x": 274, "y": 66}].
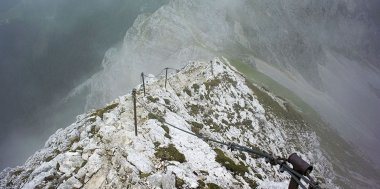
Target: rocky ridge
[{"x": 100, "y": 149}]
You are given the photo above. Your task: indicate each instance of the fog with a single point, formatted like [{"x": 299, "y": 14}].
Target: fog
[
  {"x": 324, "y": 51},
  {"x": 46, "y": 49}
]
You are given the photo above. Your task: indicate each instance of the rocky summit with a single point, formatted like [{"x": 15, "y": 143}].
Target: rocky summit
[{"x": 210, "y": 99}]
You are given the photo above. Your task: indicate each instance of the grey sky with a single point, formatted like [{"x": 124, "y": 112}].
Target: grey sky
[
  {"x": 46, "y": 48},
  {"x": 54, "y": 46}
]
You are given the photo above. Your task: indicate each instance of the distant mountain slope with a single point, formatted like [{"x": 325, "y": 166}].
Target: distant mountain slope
[{"x": 100, "y": 150}]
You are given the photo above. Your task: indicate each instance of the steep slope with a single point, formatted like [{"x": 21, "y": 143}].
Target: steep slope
[{"x": 100, "y": 150}]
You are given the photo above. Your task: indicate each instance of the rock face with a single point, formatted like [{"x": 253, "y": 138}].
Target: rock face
[{"x": 100, "y": 150}]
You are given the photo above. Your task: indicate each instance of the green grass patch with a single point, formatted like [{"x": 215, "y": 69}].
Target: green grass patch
[
  {"x": 215, "y": 127},
  {"x": 229, "y": 163},
  {"x": 144, "y": 175},
  {"x": 212, "y": 186},
  {"x": 251, "y": 183},
  {"x": 247, "y": 122},
  {"x": 208, "y": 113},
  {"x": 170, "y": 153},
  {"x": 230, "y": 116},
  {"x": 196, "y": 127},
  {"x": 166, "y": 129},
  {"x": 152, "y": 99},
  {"x": 51, "y": 178},
  {"x": 17, "y": 172},
  {"x": 228, "y": 79},
  {"x": 179, "y": 182},
  {"x": 187, "y": 91},
  {"x": 93, "y": 130},
  {"x": 259, "y": 176},
  {"x": 225, "y": 122},
  {"x": 201, "y": 184},
  {"x": 100, "y": 112},
  {"x": 196, "y": 109},
  {"x": 154, "y": 116},
  {"x": 237, "y": 108},
  {"x": 167, "y": 101},
  {"x": 242, "y": 156},
  {"x": 156, "y": 144},
  {"x": 212, "y": 84},
  {"x": 195, "y": 87}
]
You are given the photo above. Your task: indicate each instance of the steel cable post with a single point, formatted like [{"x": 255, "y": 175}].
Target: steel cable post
[
  {"x": 166, "y": 76},
  {"x": 296, "y": 177},
  {"x": 134, "y": 109},
  {"x": 143, "y": 80}
]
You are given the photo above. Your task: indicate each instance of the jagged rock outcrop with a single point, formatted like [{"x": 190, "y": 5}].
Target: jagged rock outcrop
[{"x": 100, "y": 150}]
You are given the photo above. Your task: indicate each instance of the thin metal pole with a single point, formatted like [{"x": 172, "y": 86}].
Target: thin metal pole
[
  {"x": 142, "y": 77},
  {"x": 166, "y": 76},
  {"x": 134, "y": 109},
  {"x": 212, "y": 68}
]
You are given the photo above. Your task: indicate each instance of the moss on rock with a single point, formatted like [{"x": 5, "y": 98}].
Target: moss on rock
[
  {"x": 196, "y": 127},
  {"x": 100, "y": 112},
  {"x": 179, "y": 182},
  {"x": 187, "y": 91},
  {"x": 212, "y": 186},
  {"x": 229, "y": 163},
  {"x": 153, "y": 99},
  {"x": 170, "y": 153}
]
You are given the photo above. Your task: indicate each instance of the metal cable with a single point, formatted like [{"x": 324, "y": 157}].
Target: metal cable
[
  {"x": 274, "y": 161},
  {"x": 150, "y": 76},
  {"x": 231, "y": 145},
  {"x": 161, "y": 119},
  {"x": 174, "y": 69},
  {"x": 157, "y": 75}
]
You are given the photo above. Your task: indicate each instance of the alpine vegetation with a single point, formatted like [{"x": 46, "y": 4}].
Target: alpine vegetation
[{"x": 203, "y": 100}]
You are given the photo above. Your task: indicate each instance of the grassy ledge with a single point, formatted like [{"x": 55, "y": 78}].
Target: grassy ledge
[
  {"x": 100, "y": 112},
  {"x": 170, "y": 153},
  {"x": 229, "y": 163}
]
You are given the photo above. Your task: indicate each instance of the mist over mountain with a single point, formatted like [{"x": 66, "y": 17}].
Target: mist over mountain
[
  {"x": 101, "y": 150},
  {"x": 326, "y": 52},
  {"x": 46, "y": 49}
]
